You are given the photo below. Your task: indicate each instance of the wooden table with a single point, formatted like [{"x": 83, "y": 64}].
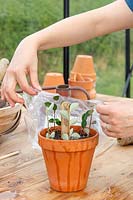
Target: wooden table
[{"x": 24, "y": 176}]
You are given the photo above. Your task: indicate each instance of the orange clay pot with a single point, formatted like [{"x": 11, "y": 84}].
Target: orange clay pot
[
  {"x": 91, "y": 75},
  {"x": 53, "y": 79},
  {"x": 84, "y": 65},
  {"x": 68, "y": 162},
  {"x": 88, "y": 85},
  {"x": 74, "y": 75},
  {"x": 63, "y": 90}
]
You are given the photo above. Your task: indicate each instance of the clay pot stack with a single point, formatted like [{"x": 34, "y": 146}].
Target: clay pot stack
[
  {"x": 53, "y": 79},
  {"x": 83, "y": 75}
]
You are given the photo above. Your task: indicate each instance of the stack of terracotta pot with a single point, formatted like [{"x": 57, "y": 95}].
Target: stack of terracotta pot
[{"x": 83, "y": 75}]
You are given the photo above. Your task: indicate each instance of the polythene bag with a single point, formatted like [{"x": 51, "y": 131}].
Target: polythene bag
[{"x": 35, "y": 117}]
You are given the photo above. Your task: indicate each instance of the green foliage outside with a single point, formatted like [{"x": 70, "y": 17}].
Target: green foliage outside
[{"x": 19, "y": 18}]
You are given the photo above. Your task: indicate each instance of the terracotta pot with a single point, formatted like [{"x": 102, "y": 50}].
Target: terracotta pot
[
  {"x": 91, "y": 75},
  {"x": 63, "y": 90},
  {"x": 77, "y": 76},
  {"x": 68, "y": 162},
  {"x": 84, "y": 64},
  {"x": 53, "y": 79},
  {"x": 88, "y": 85}
]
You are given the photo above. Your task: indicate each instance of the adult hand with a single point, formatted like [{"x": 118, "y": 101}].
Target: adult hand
[
  {"x": 23, "y": 64},
  {"x": 116, "y": 118}
]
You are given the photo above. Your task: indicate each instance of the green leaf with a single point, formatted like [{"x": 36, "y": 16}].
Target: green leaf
[
  {"x": 84, "y": 117},
  {"x": 47, "y": 104},
  {"x": 86, "y": 114},
  {"x": 84, "y": 123},
  {"x": 89, "y": 112},
  {"x": 65, "y": 136},
  {"x": 56, "y": 98},
  {"x": 50, "y": 107},
  {"x": 51, "y": 120},
  {"x": 58, "y": 122},
  {"x": 73, "y": 106},
  {"x": 55, "y": 107}
]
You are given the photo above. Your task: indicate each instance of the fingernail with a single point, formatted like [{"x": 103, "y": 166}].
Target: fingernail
[
  {"x": 12, "y": 105},
  {"x": 39, "y": 89},
  {"x": 34, "y": 91},
  {"x": 21, "y": 101}
]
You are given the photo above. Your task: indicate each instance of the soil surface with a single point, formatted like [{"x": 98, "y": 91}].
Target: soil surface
[{"x": 83, "y": 135}]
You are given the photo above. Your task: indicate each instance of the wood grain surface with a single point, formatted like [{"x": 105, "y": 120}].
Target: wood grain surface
[{"x": 24, "y": 177}]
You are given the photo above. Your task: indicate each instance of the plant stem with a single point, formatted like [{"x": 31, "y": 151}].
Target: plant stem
[
  {"x": 54, "y": 119},
  {"x": 47, "y": 120}
]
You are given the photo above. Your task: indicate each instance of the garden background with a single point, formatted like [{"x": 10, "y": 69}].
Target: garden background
[{"x": 19, "y": 18}]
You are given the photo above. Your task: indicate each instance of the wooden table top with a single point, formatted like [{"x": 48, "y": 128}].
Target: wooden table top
[{"x": 24, "y": 176}]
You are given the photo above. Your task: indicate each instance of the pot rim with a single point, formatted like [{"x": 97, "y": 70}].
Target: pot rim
[
  {"x": 69, "y": 141},
  {"x": 68, "y": 145}
]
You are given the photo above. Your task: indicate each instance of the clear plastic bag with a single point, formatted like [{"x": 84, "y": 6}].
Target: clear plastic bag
[{"x": 35, "y": 118}]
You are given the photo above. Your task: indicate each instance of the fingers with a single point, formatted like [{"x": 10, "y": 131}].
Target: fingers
[
  {"x": 105, "y": 118},
  {"x": 34, "y": 78},
  {"x": 110, "y": 127},
  {"x": 102, "y": 109},
  {"x": 109, "y": 124},
  {"x": 116, "y": 131},
  {"x": 10, "y": 101},
  {"x": 8, "y": 91},
  {"x": 23, "y": 83},
  {"x": 111, "y": 130}
]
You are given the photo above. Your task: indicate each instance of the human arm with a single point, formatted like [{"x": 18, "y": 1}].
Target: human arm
[
  {"x": 70, "y": 31},
  {"x": 79, "y": 28}
]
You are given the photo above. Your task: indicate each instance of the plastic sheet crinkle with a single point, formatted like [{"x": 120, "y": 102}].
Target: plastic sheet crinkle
[{"x": 35, "y": 117}]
